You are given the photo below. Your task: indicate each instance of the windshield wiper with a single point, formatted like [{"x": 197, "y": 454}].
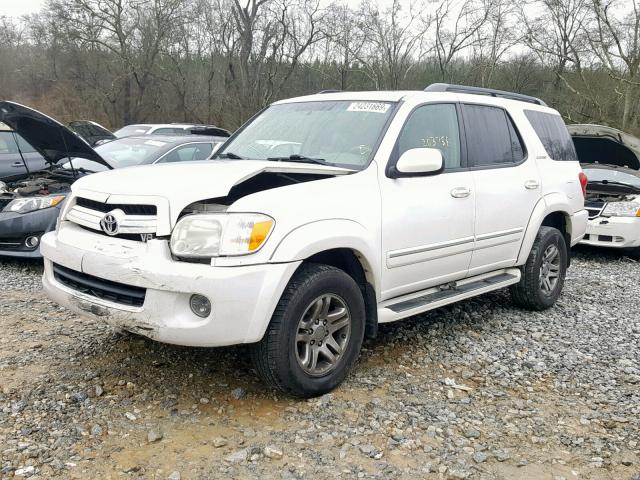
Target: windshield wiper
[
  {"x": 613, "y": 182},
  {"x": 298, "y": 158},
  {"x": 231, "y": 155}
]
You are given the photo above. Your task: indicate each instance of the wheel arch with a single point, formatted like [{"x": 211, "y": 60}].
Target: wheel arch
[
  {"x": 343, "y": 244},
  {"x": 551, "y": 211}
]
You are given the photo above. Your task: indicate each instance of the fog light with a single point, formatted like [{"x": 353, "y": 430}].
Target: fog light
[
  {"x": 200, "y": 305},
  {"x": 32, "y": 241}
]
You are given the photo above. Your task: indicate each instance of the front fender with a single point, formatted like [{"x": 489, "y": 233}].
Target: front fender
[
  {"x": 554, "y": 202},
  {"x": 322, "y": 235}
]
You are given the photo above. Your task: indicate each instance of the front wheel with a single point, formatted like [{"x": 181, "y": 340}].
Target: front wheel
[
  {"x": 315, "y": 334},
  {"x": 544, "y": 273}
]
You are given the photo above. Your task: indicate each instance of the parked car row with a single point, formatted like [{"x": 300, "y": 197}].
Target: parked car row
[
  {"x": 321, "y": 218},
  {"x": 40, "y": 159}
]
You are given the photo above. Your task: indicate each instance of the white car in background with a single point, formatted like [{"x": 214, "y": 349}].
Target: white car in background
[
  {"x": 171, "y": 129},
  {"x": 611, "y": 160}
]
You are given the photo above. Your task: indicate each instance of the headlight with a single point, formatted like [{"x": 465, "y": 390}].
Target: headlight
[
  {"x": 31, "y": 204},
  {"x": 213, "y": 235},
  {"x": 622, "y": 209}
]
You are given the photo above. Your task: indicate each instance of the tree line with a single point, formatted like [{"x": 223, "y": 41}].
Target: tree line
[{"x": 219, "y": 61}]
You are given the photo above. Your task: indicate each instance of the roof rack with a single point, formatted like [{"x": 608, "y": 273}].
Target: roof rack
[
  {"x": 330, "y": 91},
  {"x": 448, "y": 87}
]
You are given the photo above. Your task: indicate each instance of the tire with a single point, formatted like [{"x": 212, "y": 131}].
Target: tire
[
  {"x": 532, "y": 292},
  {"x": 284, "y": 356}
]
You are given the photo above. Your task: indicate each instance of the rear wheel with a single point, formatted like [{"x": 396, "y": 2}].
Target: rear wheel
[
  {"x": 315, "y": 333},
  {"x": 544, "y": 273}
]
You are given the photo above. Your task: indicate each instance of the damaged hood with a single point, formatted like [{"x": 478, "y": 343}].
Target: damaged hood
[
  {"x": 187, "y": 182},
  {"x": 605, "y": 145},
  {"x": 49, "y": 137}
]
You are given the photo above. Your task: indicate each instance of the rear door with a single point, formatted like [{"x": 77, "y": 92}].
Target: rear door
[{"x": 507, "y": 186}]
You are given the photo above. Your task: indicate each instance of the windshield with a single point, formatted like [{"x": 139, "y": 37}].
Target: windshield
[
  {"x": 340, "y": 133},
  {"x": 124, "y": 152},
  {"x": 612, "y": 175},
  {"x": 131, "y": 130}
]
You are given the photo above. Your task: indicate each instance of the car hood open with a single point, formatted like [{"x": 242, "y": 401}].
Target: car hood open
[
  {"x": 49, "y": 137},
  {"x": 605, "y": 145}
]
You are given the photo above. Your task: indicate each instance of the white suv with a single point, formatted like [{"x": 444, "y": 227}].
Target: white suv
[{"x": 324, "y": 216}]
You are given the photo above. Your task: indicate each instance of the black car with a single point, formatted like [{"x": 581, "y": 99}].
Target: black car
[
  {"x": 30, "y": 202},
  {"x": 18, "y": 158}
]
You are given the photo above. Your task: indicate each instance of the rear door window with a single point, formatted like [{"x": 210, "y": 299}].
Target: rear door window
[
  {"x": 553, "y": 134},
  {"x": 492, "y": 139},
  {"x": 433, "y": 126},
  {"x": 169, "y": 131}
]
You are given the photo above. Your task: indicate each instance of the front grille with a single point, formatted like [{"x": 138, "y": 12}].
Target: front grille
[
  {"x": 97, "y": 287},
  {"x": 129, "y": 209},
  {"x": 135, "y": 237},
  {"x": 138, "y": 223}
]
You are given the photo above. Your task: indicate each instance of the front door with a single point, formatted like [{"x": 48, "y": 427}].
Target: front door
[{"x": 428, "y": 221}]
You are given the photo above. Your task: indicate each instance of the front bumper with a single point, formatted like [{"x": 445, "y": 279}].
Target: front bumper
[
  {"x": 243, "y": 298},
  {"x": 16, "y": 227},
  {"x": 616, "y": 232}
]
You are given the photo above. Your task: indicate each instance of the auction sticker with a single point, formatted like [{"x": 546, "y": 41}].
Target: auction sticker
[{"x": 376, "y": 107}]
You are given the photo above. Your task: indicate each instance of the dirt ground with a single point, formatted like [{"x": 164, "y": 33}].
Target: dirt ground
[{"x": 477, "y": 390}]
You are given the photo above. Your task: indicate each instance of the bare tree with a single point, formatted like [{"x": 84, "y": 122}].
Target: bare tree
[
  {"x": 131, "y": 30},
  {"x": 456, "y": 29},
  {"x": 395, "y": 42},
  {"x": 495, "y": 39},
  {"x": 614, "y": 37}
]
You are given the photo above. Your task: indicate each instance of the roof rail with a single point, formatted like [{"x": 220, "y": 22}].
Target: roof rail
[
  {"x": 330, "y": 91},
  {"x": 448, "y": 87}
]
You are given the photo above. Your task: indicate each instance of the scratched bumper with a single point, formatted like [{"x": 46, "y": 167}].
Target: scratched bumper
[{"x": 243, "y": 298}]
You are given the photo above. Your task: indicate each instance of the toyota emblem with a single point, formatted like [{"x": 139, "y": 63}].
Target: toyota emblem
[{"x": 109, "y": 223}]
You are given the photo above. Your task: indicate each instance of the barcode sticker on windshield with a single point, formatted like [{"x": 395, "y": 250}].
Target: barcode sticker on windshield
[{"x": 377, "y": 107}]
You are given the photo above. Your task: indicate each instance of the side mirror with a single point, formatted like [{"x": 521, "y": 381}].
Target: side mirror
[{"x": 418, "y": 162}]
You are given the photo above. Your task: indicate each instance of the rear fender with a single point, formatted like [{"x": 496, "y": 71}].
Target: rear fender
[{"x": 554, "y": 202}]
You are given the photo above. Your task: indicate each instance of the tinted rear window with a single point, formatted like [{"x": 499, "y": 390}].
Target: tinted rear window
[
  {"x": 491, "y": 137},
  {"x": 553, "y": 134}
]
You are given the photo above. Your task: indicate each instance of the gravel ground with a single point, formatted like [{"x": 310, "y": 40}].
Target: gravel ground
[{"x": 476, "y": 390}]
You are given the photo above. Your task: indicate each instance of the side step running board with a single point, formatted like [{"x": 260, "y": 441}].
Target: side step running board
[{"x": 446, "y": 294}]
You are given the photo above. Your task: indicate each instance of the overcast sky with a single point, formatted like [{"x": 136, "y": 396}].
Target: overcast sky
[{"x": 19, "y": 7}]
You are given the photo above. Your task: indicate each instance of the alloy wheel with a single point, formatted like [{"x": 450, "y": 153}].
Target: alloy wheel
[
  {"x": 550, "y": 269},
  {"x": 322, "y": 335}
]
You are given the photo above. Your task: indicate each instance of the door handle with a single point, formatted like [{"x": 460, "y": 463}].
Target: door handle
[
  {"x": 17, "y": 164},
  {"x": 531, "y": 184},
  {"x": 460, "y": 192}
]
